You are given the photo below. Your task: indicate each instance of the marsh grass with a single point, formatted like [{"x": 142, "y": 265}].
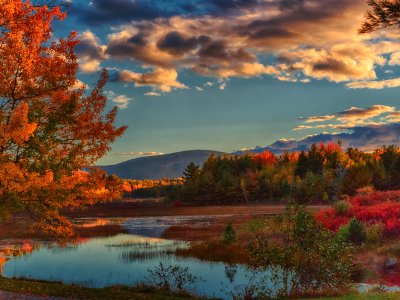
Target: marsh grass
[{"x": 57, "y": 289}]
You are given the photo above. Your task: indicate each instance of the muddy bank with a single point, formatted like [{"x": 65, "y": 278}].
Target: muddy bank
[{"x": 153, "y": 208}]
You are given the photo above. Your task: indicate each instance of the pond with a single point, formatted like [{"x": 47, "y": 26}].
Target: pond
[{"x": 126, "y": 259}]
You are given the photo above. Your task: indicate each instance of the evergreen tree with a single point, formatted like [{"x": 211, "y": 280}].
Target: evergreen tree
[{"x": 191, "y": 172}]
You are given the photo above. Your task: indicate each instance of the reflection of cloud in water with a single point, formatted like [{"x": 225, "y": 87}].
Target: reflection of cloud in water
[
  {"x": 97, "y": 222},
  {"x": 155, "y": 226},
  {"x": 148, "y": 226}
]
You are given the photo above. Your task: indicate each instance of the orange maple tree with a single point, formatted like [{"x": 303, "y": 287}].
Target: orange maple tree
[{"x": 52, "y": 130}]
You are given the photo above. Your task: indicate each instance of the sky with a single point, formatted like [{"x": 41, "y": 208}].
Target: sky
[{"x": 236, "y": 74}]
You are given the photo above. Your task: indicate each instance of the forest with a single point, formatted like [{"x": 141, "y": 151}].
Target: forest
[{"x": 323, "y": 174}]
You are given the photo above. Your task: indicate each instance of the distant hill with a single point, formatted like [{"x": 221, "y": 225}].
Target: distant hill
[{"x": 159, "y": 167}]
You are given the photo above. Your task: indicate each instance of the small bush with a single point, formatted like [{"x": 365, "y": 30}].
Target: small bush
[
  {"x": 229, "y": 234},
  {"x": 255, "y": 225},
  {"x": 342, "y": 207},
  {"x": 173, "y": 277},
  {"x": 357, "y": 233},
  {"x": 374, "y": 233},
  {"x": 343, "y": 233}
]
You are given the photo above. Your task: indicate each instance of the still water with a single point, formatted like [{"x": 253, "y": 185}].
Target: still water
[{"x": 126, "y": 259}]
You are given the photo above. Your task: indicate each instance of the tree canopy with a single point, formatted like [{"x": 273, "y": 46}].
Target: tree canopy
[
  {"x": 383, "y": 14},
  {"x": 52, "y": 130}
]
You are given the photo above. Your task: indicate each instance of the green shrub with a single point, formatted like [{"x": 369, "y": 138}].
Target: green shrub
[
  {"x": 170, "y": 277},
  {"x": 353, "y": 232},
  {"x": 255, "y": 225},
  {"x": 229, "y": 234},
  {"x": 342, "y": 207},
  {"x": 343, "y": 233},
  {"x": 374, "y": 233},
  {"x": 357, "y": 233},
  {"x": 306, "y": 259}
]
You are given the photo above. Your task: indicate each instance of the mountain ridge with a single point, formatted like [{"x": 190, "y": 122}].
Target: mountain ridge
[{"x": 158, "y": 167}]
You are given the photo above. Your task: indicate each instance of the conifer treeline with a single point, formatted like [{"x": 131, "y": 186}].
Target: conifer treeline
[{"x": 324, "y": 173}]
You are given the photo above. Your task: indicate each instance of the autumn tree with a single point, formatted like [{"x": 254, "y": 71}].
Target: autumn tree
[
  {"x": 383, "y": 14},
  {"x": 52, "y": 130}
]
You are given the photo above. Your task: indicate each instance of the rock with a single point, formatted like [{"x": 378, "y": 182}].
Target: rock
[{"x": 391, "y": 263}]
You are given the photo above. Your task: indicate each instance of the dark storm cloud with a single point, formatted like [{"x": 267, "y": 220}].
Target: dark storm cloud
[
  {"x": 272, "y": 32},
  {"x": 332, "y": 65},
  {"x": 175, "y": 43},
  {"x": 294, "y": 14},
  {"x": 220, "y": 50},
  {"x": 224, "y": 5},
  {"x": 292, "y": 40},
  {"x": 119, "y": 11}
]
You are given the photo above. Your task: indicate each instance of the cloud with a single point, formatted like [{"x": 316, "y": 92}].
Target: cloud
[
  {"x": 291, "y": 40},
  {"x": 104, "y": 12},
  {"x": 302, "y": 127},
  {"x": 79, "y": 85},
  {"x": 340, "y": 63},
  {"x": 101, "y": 12},
  {"x": 90, "y": 52},
  {"x": 152, "y": 94},
  {"x": 351, "y": 117},
  {"x": 393, "y": 117},
  {"x": 159, "y": 79},
  {"x": 389, "y": 83},
  {"x": 355, "y": 113},
  {"x": 134, "y": 153},
  {"x": 121, "y": 101},
  {"x": 319, "y": 118}
]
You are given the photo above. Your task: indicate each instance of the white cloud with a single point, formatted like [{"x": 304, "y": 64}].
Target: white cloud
[
  {"x": 121, "y": 101},
  {"x": 160, "y": 79},
  {"x": 389, "y": 83},
  {"x": 152, "y": 94},
  {"x": 353, "y": 117}
]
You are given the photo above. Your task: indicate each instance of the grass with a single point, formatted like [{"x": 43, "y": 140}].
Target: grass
[
  {"x": 57, "y": 289},
  {"x": 368, "y": 296}
]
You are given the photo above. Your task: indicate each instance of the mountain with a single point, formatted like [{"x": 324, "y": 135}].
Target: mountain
[{"x": 160, "y": 166}]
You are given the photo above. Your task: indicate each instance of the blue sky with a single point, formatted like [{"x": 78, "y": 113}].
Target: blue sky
[{"x": 226, "y": 75}]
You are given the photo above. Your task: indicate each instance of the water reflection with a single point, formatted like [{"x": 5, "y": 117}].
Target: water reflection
[
  {"x": 15, "y": 248},
  {"x": 121, "y": 259},
  {"x": 230, "y": 272}
]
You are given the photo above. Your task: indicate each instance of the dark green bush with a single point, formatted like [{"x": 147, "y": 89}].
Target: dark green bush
[{"x": 229, "y": 234}]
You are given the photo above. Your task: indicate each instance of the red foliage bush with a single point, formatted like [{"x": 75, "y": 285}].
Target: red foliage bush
[{"x": 376, "y": 207}]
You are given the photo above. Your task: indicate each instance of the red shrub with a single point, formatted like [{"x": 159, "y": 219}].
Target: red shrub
[
  {"x": 375, "y": 197},
  {"x": 376, "y": 207}
]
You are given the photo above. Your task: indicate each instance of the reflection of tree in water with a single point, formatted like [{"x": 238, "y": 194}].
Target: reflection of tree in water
[
  {"x": 230, "y": 272},
  {"x": 15, "y": 249},
  {"x": 2, "y": 262},
  {"x": 149, "y": 251}
]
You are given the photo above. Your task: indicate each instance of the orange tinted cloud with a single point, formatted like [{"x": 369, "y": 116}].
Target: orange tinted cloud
[{"x": 289, "y": 40}]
